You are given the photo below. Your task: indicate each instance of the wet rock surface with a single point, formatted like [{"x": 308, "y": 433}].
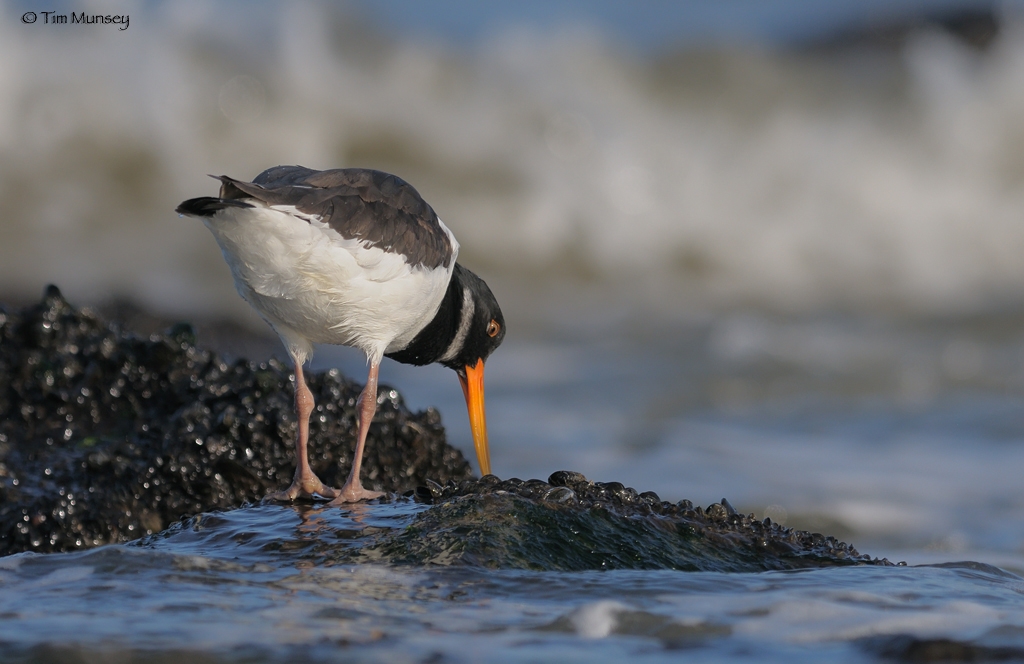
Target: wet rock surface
[
  {"x": 105, "y": 437},
  {"x": 571, "y": 524},
  {"x": 567, "y": 524}
]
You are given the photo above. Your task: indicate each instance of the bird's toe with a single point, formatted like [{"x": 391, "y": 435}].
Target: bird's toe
[
  {"x": 286, "y": 496},
  {"x": 353, "y": 494},
  {"x": 309, "y": 488}
]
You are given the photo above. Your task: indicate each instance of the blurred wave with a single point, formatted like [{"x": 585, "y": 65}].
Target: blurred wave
[{"x": 860, "y": 176}]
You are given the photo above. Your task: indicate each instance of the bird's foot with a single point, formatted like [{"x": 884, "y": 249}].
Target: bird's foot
[
  {"x": 353, "y": 492},
  {"x": 309, "y": 488}
]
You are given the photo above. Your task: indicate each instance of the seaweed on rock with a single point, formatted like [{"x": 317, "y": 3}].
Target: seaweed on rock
[
  {"x": 571, "y": 524},
  {"x": 567, "y": 524}
]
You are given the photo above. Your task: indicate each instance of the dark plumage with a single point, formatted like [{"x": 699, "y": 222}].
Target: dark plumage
[
  {"x": 381, "y": 209},
  {"x": 432, "y": 342},
  {"x": 206, "y": 206}
]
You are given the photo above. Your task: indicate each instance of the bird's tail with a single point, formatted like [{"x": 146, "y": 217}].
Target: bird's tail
[{"x": 207, "y": 206}]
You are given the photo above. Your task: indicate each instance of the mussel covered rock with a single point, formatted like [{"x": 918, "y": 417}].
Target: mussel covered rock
[{"x": 105, "y": 437}]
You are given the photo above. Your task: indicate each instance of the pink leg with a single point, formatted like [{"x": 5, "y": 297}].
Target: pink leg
[
  {"x": 305, "y": 484},
  {"x": 353, "y": 490}
]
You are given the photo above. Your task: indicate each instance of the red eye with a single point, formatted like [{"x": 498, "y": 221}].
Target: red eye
[{"x": 493, "y": 328}]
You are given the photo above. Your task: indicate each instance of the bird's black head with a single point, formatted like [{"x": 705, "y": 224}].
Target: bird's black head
[
  {"x": 466, "y": 329},
  {"x": 486, "y": 324}
]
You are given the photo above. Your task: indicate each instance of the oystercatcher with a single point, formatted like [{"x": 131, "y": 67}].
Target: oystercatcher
[{"x": 354, "y": 257}]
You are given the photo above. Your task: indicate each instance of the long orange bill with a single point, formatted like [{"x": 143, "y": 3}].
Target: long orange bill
[{"x": 473, "y": 389}]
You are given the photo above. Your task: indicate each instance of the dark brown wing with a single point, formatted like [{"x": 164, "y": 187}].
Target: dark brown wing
[{"x": 380, "y": 209}]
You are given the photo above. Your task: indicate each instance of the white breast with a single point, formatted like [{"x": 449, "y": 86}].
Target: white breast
[{"x": 313, "y": 286}]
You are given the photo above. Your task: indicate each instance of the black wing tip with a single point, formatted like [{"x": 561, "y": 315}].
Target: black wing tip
[{"x": 207, "y": 206}]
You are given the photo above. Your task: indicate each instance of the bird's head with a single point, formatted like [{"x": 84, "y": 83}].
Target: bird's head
[{"x": 485, "y": 333}]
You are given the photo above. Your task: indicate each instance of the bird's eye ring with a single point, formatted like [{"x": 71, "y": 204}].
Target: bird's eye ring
[{"x": 493, "y": 328}]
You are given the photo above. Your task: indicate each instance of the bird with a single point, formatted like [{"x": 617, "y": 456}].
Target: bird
[{"x": 353, "y": 257}]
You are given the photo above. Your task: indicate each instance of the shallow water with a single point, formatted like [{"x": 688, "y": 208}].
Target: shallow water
[{"x": 241, "y": 586}]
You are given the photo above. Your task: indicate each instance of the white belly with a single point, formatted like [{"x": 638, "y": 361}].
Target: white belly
[{"x": 313, "y": 286}]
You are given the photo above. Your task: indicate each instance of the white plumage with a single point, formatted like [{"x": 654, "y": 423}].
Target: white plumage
[{"x": 314, "y": 286}]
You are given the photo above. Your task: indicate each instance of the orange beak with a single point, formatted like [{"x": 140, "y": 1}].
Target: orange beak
[{"x": 473, "y": 389}]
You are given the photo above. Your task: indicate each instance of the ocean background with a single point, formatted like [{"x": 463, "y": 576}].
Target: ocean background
[{"x": 766, "y": 251}]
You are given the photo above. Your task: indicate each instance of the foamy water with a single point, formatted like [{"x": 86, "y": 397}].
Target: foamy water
[{"x": 736, "y": 176}]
